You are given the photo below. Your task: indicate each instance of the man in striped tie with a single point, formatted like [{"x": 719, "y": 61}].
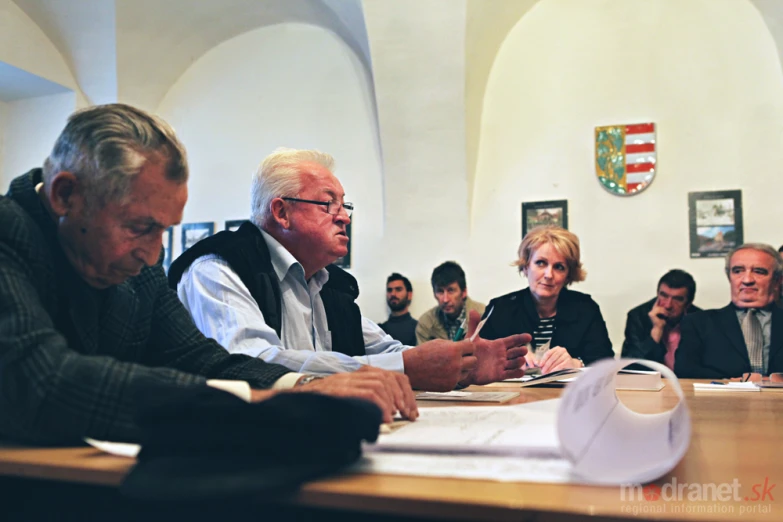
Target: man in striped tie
[{"x": 747, "y": 335}]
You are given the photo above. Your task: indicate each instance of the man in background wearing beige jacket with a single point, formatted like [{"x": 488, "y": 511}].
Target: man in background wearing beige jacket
[{"x": 454, "y": 305}]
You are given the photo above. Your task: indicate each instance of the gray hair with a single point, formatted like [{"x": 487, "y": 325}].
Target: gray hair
[
  {"x": 279, "y": 175},
  {"x": 107, "y": 145},
  {"x": 761, "y": 247}
]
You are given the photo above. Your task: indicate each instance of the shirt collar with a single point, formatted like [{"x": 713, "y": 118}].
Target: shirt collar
[
  {"x": 457, "y": 320},
  {"x": 283, "y": 262},
  {"x": 760, "y": 311}
]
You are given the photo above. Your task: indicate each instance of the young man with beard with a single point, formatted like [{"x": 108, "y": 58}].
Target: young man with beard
[{"x": 400, "y": 325}]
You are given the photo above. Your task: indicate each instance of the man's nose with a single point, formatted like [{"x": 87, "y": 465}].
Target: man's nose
[
  {"x": 443, "y": 298},
  {"x": 149, "y": 252},
  {"x": 148, "y": 256},
  {"x": 748, "y": 277},
  {"x": 342, "y": 216},
  {"x": 666, "y": 303}
]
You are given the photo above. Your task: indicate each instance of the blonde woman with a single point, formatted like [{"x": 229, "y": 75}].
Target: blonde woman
[{"x": 567, "y": 326}]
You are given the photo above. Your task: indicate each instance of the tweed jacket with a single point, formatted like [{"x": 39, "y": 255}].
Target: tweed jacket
[{"x": 71, "y": 356}]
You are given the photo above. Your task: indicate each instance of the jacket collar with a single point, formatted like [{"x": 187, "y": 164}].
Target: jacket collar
[
  {"x": 22, "y": 190},
  {"x": 776, "y": 341},
  {"x": 730, "y": 327},
  {"x": 566, "y": 311},
  {"x": 85, "y": 304}
]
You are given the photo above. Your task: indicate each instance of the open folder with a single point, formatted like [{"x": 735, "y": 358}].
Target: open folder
[
  {"x": 625, "y": 380},
  {"x": 587, "y": 436}
]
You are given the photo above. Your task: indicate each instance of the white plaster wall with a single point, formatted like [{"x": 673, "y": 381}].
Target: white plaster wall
[
  {"x": 24, "y": 45},
  {"x": 705, "y": 71},
  {"x": 287, "y": 85},
  {"x": 84, "y": 32},
  {"x": 3, "y": 181},
  {"x": 31, "y": 127},
  {"x": 418, "y": 59}
]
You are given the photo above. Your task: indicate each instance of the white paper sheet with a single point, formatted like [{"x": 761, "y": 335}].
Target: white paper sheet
[
  {"x": 728, "y": 387},
  {"x": 608, "y": 443},
  {"x": 121, "y": 449},
  {"x": 462, "y": 396},
  {"x": 597, "y": 438},
  {"x": 478, "y": 467},
  {"x": 506, "y": 430}
]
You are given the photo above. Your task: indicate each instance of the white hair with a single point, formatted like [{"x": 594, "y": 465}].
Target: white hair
[{"x": 279, "y": 175}]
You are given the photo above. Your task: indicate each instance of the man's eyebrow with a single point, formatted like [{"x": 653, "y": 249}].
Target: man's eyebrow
[{"x": 148, "y": 220}]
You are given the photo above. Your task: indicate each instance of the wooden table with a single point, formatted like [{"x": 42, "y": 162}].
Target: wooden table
[{"x": 735, "y": 436}]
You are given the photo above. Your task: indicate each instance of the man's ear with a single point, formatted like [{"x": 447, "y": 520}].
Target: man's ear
[
  {"x": 64, "y": 193},
  {"x": 279, "y": 213}
]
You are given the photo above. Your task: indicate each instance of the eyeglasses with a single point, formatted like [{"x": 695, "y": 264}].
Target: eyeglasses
[{"x": 332, "y": 207}]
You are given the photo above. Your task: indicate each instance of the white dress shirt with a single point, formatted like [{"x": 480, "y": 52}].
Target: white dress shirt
[{"x": 222, "y": 308}]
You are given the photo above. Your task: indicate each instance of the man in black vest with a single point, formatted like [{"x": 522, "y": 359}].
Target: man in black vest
[
  {"x": 86, "y": 316},
  {"x": 269, "y": 290}
]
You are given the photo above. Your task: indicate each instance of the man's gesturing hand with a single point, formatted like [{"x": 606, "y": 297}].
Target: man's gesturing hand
[
  {"x": 497, "y": 360},
  {"x": 390, "y": 391},
  {"x": 438, "y": 365}
]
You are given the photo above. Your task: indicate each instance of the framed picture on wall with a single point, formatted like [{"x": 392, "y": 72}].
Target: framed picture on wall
[
  {"x": 345, "y": 261},
  {"x": 539, "y": 213},
  {"x": 234, "y": 224},
  {"x": 168, "y": 247},
  {"x": 192, "y": 233},
  {"x": 715, "y": 222}
]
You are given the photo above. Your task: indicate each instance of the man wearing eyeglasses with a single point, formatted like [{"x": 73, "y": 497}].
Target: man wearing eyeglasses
[
  {"x": 269, "y": 290},
  {"x": 747, "y": 335}
]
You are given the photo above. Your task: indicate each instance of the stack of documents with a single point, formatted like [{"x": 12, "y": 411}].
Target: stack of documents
[
  {"x": 588, "y": 436},
  {"x": 624, "y": 380},
  {"x": 466, "y": 396},
  {"x": 738, "y": 386},
  {"x": 726, "y": 387}
]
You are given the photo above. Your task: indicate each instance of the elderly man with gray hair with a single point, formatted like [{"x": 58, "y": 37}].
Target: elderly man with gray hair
[
  {"x": 746, "y": 336},
  {"x": 86, "y": 315},
  {"x": 269, "y": 289}
]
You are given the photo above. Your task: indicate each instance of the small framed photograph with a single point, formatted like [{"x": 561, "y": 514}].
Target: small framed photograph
[
  {"x": 168, "y": 247},
  {"x": 192, "y": 233},
  {"x": 715, "y": 222},
  {"x": 345, "y": 261},
  {"x": 540, "y": 213},
  {"x": 234, "y": 224}
]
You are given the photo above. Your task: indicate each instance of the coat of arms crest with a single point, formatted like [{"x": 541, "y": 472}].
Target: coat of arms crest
[{"x": 625, "y": 157}]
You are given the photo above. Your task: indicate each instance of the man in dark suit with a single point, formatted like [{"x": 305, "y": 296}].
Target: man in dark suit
[
  {"x": 745, "y": 336},
  {"x": 652, "y": 330},
  {"x": 86, "y": 315}
]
